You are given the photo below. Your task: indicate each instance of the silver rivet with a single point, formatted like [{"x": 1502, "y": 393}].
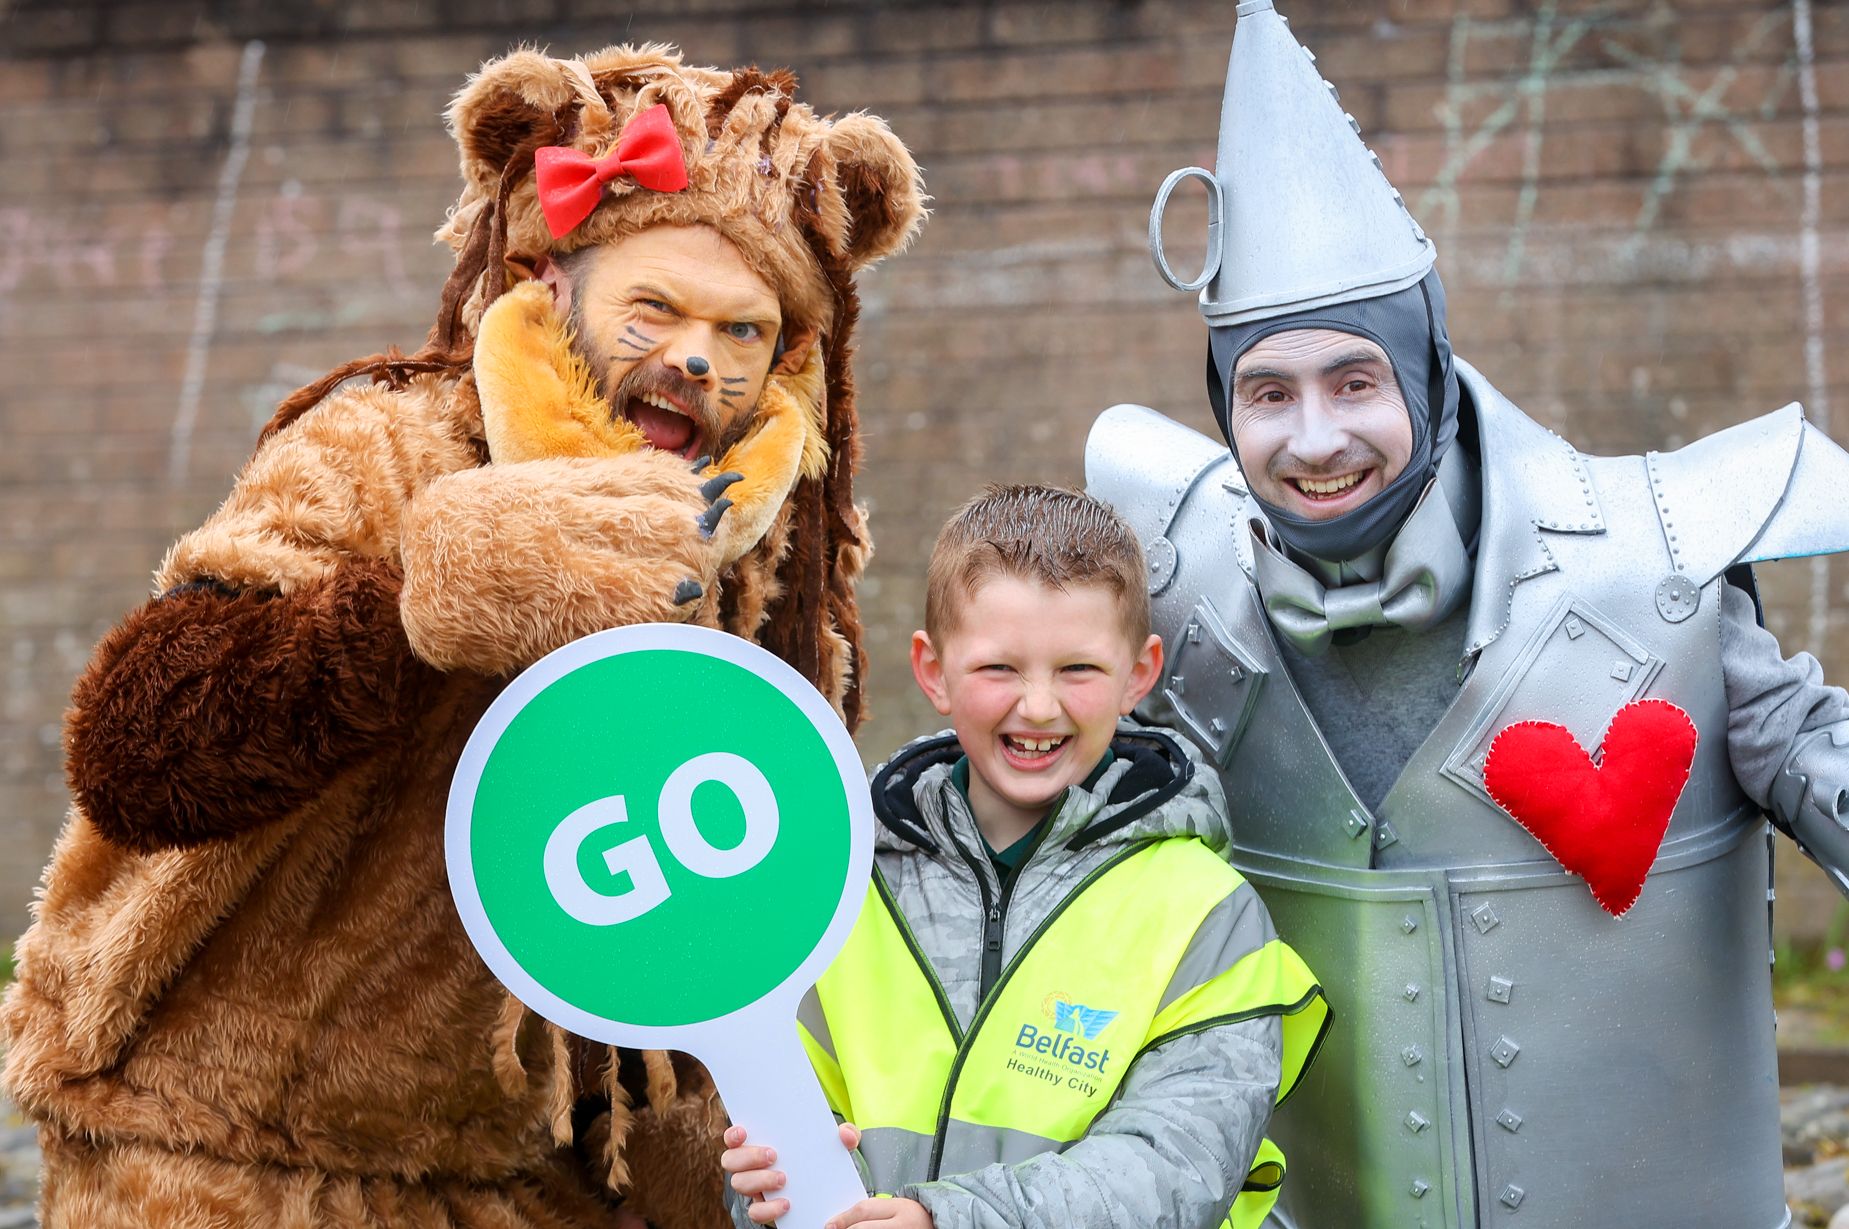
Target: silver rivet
[
  {"x": 1485, "y": 919},
  {"x": 1218, "y": 727},
  {"x": 1504, "y": 1051},
  {"x": 1621, "y": 670},
  {"x": 1194, "y": 633},
  {"x": 1236, "y": 673},
  {"x": 1417, "y": 1122},
  {"x": 1512, "y": 1196},
  {"x": 1177, "y": 684},
  {"x": 1419, "y": 1187},
  {"x": 1384, "y": 835},
  {"x": 1412, "y": 1056},
  {"x": 1409, "y": 923},
  {"x": 1500, "y": 988},
  {"x": 1575, "y": 629},
  {"x": 1411, "y": 992},
  {"x": 1356, "y": 823},
  {"x": 1509, "y": 1121},
  {"x": 1677, "y": 597}
]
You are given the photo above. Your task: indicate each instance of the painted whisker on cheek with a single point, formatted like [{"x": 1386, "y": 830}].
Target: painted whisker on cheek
[
  {"x": 733, "y": 379},
  {"x": 636, "y": 346},
  {"x": 633, "y": 331}
]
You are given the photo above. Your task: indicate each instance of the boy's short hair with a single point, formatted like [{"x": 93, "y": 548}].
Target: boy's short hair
[{"x": 1051, "y": 534}]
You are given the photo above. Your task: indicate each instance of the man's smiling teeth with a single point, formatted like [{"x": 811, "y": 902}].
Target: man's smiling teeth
[
  {"x": 1331, "y": 486},
  {"x": 1034, "y": 746},
  {"x": 659, "y": 402}
]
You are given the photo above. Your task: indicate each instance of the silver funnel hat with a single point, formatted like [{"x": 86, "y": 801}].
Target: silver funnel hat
[
  {"x": 1305, "y": 232},
  {"x": 1300, "y": 214}
]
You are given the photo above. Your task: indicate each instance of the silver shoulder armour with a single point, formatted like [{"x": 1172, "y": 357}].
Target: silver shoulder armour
[
  {"x": 1767, "y": 489},
  {"x": 1144, "y": 464}
]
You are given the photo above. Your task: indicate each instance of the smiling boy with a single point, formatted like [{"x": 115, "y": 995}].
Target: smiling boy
[{"x": 1060, "y": 1006}]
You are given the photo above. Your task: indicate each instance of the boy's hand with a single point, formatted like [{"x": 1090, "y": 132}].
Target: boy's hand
[
  {"x": 888, "y": 1213},
  {"x": 753, "y": 1175}
]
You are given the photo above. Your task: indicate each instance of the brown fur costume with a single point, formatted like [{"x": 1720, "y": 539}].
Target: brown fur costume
[{"x": 246, "y": 998}]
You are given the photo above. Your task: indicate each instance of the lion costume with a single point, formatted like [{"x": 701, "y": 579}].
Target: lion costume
[{"x": 246, "y": 998}]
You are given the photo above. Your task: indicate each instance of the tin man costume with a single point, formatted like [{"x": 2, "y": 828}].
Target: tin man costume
[{"x": 1506, "y": 1051}]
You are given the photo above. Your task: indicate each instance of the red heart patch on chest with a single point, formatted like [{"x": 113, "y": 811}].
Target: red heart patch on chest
[{"x": 1605, "y": 821}]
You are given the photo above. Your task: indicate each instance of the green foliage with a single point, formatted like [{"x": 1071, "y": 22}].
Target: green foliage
[
  {"x": 6, "y": 965},
  {"x": 1810, "y": 986}
]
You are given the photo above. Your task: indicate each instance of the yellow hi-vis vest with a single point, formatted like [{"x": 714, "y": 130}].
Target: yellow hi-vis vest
[{"x": 1051, "y": 1043}]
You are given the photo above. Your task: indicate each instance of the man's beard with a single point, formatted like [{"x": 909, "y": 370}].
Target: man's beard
[{"x": 711, "y": 435}]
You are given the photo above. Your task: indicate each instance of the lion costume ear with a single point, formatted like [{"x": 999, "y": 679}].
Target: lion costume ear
[
  {"x": 522, "y": 100},
  {"x": 871, "y": 197}
]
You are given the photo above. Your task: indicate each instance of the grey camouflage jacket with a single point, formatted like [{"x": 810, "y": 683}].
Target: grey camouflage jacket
[{"x": 1174, "y": 1147}]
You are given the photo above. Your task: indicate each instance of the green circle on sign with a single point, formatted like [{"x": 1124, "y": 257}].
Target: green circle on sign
[{"x": 620, "y": 727}]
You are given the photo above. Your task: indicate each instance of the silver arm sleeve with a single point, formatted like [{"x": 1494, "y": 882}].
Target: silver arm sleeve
[
  {"x": 735, "y": 1205},
  {"x": 1171, "y": 1153},
  {"x": 1788, "y": 736}
]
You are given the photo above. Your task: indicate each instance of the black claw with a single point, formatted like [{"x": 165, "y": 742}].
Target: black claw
[
  {"x": 715, "y": 486},
  {"x": 688, "y": 590},
  {"x": 708, "y": 520},
  {"x": 703, "y": 462}
]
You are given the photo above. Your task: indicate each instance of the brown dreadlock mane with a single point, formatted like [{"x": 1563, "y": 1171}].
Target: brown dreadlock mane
[
  {"x": 813, "y": 590},
  {"x": 449, "y": 346},
  {"x": 816, "y": 574}
]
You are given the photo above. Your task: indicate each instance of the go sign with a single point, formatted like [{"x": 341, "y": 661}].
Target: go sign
[{"x": 658, "y": 836}]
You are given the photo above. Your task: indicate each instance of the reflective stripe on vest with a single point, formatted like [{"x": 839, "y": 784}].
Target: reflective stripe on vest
[{"x": 1152, "y": 945}]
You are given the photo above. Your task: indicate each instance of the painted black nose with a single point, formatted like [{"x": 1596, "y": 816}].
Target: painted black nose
[{"x": 697, "y": 366}]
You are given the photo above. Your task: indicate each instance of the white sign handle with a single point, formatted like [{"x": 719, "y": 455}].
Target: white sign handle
[{"x": 770, "y": 1089}]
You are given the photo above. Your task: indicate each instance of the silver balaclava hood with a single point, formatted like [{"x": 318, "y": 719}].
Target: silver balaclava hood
[
  {"x": 1409, "y": 325},
  {"x": 1304, "y": 231}
]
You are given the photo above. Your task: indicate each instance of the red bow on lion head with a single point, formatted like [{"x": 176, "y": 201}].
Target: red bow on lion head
[{"x": 571, "y": 183}]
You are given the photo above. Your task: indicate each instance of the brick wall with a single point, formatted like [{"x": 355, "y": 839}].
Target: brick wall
[{"x": 207, "y": 202}]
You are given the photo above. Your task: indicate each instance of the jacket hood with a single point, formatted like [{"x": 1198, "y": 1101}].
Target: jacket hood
[{"x": 1156, "y": 786}]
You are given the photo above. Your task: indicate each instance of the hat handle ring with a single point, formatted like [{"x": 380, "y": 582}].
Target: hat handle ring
[{"x": 1215, "y": 238}]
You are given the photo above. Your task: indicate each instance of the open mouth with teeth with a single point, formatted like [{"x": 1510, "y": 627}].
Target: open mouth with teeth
[
  {"x": 1329, "y": 490},
  {"x": 664, "y": 424},
  {"x": 1032, "y": 753}
]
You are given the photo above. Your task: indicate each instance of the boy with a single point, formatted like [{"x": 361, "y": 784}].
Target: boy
[{"x": 1060, "y": 1005}]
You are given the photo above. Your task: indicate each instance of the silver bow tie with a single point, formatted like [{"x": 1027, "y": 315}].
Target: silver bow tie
[{"x": 1426, "y": 572}]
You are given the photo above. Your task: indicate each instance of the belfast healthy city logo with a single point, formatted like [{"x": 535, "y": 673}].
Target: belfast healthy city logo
[
  {"x": 1061, "y": 1055},
  {"x": 1087, "y": 1022}
]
